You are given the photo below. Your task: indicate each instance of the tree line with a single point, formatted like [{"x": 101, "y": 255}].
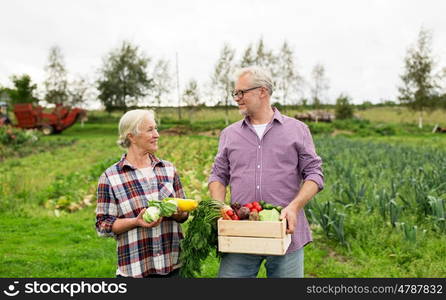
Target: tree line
[{"x": 128, "y": 78}]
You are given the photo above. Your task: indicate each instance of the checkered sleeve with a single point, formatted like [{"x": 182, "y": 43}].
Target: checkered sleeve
[
  {"x": 177, "y": 186},
  {"x": 106, "y": 208}
]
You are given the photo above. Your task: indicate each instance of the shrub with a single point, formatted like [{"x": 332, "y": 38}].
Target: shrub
[
  {"x": 320, "y": 128},
  {"x": 10, "y": 136},
  {"x": 343, "y": 108}
]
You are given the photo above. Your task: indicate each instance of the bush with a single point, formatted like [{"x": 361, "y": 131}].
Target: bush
[
  {"x": 16, "y": 142},
  {"x": 10, "y": 136},
  {"x": 320, "y": 128},
  {"x": 343, "y": 108},
  {"x": 385, "y": 129}
]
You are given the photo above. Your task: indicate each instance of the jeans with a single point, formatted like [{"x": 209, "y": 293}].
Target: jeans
[{"x": 239, "y": 265}]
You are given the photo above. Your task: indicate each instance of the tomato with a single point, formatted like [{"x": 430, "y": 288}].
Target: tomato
[
  {"x": 255, "y": 203},
  {"x": 248, "y": 205},
  {"x": 254, "y": 210},
  {"x": 257, "y": 206},
  {"x": 230, "y": 212},
  {"x": 235, "y": 217}
]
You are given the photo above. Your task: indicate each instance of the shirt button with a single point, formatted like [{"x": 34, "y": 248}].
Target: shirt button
[
  {"x": 259, "y": 146},
  {"x": 258, "y": 166},
  {"x": 258, "y": 187}
]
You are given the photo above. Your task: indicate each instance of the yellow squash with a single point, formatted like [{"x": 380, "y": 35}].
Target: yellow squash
[{"x": 186, "y": 204}]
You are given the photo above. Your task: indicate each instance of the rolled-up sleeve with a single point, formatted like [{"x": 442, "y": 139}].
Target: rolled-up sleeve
[
  {"x": 106, "y": 208},
  {"x": 310, "y": 164},
  {"x": 220, "y": 168}
]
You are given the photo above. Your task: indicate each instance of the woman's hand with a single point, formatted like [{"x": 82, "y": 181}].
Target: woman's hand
[{"x": 140, "y": 221}]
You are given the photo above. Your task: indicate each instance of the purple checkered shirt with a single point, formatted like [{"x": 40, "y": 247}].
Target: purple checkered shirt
[
  {"x": 271, "y": 169},
  {"x": 123, "y": 192}
]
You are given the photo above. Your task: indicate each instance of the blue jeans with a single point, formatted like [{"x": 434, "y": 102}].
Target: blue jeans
[{"x": 239, "y": 265}]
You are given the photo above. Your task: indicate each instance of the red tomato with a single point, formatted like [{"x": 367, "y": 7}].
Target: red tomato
[
  {"x": 255, "y": 203},
  {"x": 230, "y": 212},
  {"x": 257, "y": 206},
  {"x": 248, "y": 205},
  {"x": 235, "y": 217},
  {"x": 254, "y": 210}
]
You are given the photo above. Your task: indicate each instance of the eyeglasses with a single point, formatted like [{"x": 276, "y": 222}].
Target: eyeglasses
[{"x": 241, "y": 93}]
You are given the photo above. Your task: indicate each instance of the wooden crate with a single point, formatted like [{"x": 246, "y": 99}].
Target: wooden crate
[{"x": 253, "y": 237}]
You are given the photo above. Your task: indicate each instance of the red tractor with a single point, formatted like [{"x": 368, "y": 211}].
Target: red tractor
[{"x": 30, "y": 117}]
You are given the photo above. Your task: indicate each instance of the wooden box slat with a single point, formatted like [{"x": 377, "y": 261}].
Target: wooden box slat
[
  {"x": 273, "y": 229},
  {"x": 250, "y": 245},
  {"x": 253, "y": 237}
]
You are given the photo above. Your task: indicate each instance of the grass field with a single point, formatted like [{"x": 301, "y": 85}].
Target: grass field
[
  {"x": 402, "y": 115},
  {"x": 41, "y": 238}
]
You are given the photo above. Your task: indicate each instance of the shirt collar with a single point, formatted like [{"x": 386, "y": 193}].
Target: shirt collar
[
  {"x": 277, "y": 116},
  {"x": 125, "y": 163}
]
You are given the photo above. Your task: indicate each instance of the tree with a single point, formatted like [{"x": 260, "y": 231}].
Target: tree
[
  {"x": 123, "y": 77},
  {"x": 365, "y": 105},
  {"x": 419, "y": 87},
  {"x": 162, "y": 83},
  {"x": 265, "y": 58},
  {"x": 287, "y": 80},
  {"x": 191, "y": 96},
  {"x": 248, "y": 57},
  {"x": 221, "y": 78},
  {"x": 320, "y": 85},
  {"x": 23, "y": 91},
  {"x": 442, "y": 97},
  {"x": 56, "y": 86},
  {"x": 79, "y": 91},
  {"x": 343, "y": 108}
]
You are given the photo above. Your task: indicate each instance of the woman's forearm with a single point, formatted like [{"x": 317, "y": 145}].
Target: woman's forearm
[{"x": 123, "y": 225}]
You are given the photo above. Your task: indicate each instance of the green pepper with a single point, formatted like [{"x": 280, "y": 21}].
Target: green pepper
[{"x": 278, "y": 208}]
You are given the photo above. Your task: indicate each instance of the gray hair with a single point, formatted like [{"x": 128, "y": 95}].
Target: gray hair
[
  {"x": 259, "y": 77},
  {"x": 130, "y": 123}
]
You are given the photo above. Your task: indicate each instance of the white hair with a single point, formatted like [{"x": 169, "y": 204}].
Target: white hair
[
  {"x": 259, "y": 77},
  {"x": 130, "y": 123}
]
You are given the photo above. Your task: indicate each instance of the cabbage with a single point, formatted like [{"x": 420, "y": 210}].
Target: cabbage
[
  {"x": 168, "y": 208},
  {"x": 269, "y": 215},
  {"x": 151, "y": 214}
]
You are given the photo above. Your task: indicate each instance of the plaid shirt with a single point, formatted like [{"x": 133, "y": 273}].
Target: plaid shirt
[{"x": 123, "y": 192}]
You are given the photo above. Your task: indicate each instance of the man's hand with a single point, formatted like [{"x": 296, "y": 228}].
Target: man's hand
[
  {"x": 290, "y": 214},
  {"x": 139, "y": 221},
  {"x": 307, "y": 191}
]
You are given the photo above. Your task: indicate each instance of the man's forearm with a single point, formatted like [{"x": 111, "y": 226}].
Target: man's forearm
[
  {"x": 308, "y": 190},
  {"x": 217, "y": 191}
]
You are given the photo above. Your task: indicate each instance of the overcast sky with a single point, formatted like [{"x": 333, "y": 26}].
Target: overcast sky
[{"x": 362, "y": 44}]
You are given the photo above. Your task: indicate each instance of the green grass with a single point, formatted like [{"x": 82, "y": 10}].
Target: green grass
[
  {"x": 401, "y": 115},
  {"x": 437, "y": 141},
  {"x": 46, "y": 246}
]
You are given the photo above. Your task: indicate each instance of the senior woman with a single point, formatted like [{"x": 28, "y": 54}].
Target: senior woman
[{"x": 144, "y": 249}]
